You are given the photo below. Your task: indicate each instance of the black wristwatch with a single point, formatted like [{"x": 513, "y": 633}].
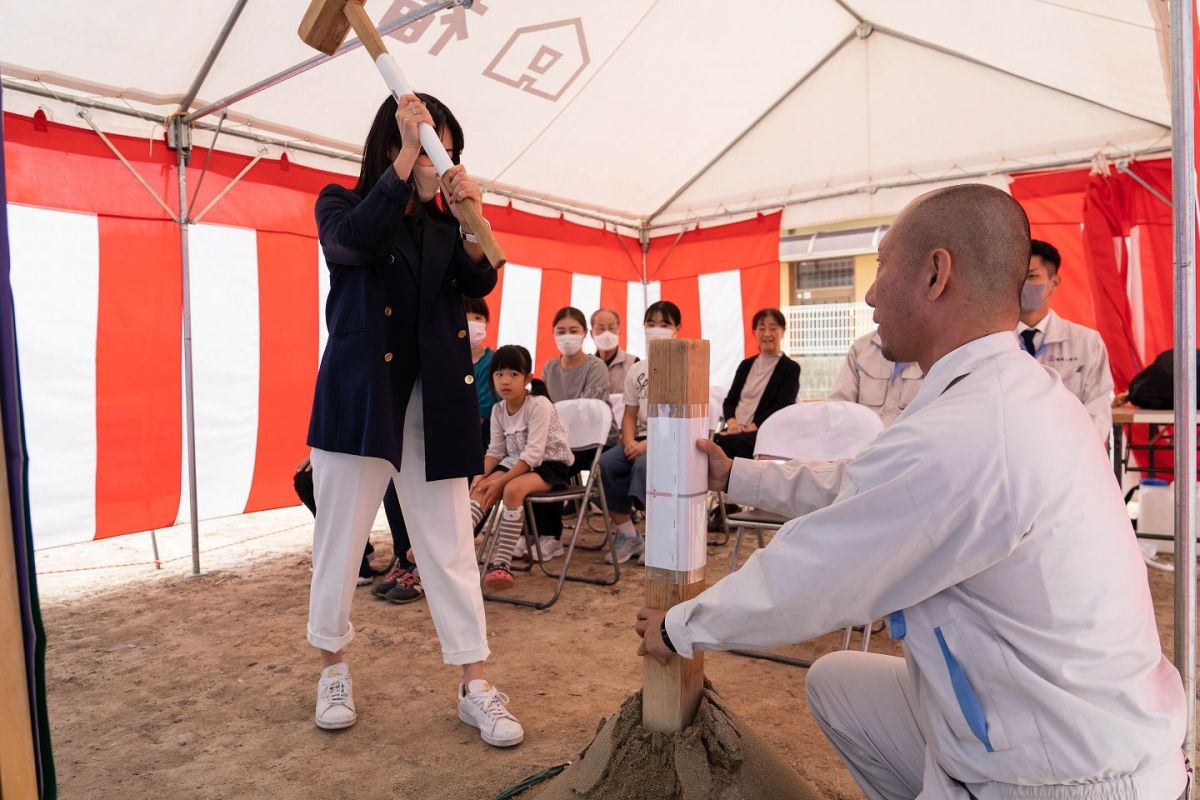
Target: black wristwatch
[{"x": 662, "y": 632}]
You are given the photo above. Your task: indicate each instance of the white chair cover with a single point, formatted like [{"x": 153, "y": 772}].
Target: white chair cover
[
  {"x": 823, "y": 431},
  {"x": 587, "y": 421}
]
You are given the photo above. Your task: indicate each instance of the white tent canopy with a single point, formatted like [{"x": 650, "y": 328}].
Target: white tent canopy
[{"x": 647, "y": 111}]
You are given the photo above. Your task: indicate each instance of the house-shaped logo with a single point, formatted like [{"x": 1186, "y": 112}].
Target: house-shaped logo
[{"x": 542, "y": 59}]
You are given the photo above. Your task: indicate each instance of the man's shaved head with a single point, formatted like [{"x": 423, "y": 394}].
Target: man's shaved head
[
  {"x": 950, "y": 270},
  {"x": 986, "y": 233}
]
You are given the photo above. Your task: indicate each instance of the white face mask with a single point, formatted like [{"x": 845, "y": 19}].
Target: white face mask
[
  {"x": 607, "y": 340},
  {"x": 478, "y": 330},
  {"x": 425, "y": 179},
  {"x": 569, "y": 343},
  {"x": 659, "y": 333}
]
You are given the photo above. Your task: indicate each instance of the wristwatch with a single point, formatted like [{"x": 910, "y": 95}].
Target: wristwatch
[
  {"x": 470, "y": 237},
  {"x": 662, "y": 631}
]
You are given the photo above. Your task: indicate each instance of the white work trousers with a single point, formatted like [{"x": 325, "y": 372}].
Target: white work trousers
[
  {"x": 865, "y": 704},
  {"x": 348, "y": 491}
]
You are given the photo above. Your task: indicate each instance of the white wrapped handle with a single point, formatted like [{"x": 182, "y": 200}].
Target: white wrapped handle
[{"x": 394, "y": 77}]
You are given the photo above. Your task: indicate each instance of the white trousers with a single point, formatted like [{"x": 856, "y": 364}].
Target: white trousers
[
  {"x": 348, "y": 491},
  {"x": 865, "y": 704}
]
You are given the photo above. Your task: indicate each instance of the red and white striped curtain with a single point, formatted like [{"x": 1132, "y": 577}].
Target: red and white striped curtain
[{"x": 97, "y": 282}]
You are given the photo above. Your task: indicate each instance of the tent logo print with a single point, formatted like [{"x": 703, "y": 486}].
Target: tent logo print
[
  {"x": 543, "y": 60},
  {"x": 455, "y": 21}
]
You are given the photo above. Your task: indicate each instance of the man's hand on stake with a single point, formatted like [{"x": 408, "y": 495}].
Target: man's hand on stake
[
  {"x": 719, "y": 465},
  {"x": 648, "y": 627}
]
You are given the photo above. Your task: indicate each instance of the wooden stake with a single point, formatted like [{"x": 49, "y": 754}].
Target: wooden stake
[
  {"x": 18, "y": 770},
  {"x": 676, "y": 517}
]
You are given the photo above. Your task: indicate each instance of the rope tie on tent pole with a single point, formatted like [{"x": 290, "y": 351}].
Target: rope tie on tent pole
[{"x": 86, "y": 116}]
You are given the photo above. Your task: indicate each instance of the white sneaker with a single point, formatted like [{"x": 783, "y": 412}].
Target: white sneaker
[
  {"x": 521, "y": 551},
  {"x": 486, "y": 709},
  {"x": 626, "y": 548},
  {"x": 550, "y": 546},
  {"x": 335, "y": 700}
]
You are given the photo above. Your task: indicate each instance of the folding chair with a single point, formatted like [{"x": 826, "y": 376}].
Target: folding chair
[
  {"x": 587, "y": 423},
  {"x": 616, "y": 401},
  {"x": 819, "y": 432}
]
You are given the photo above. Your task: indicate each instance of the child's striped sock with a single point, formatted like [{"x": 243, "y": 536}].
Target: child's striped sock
[
  {"x": 476, "y": 514},
  {"x": 512, "y": 523}
]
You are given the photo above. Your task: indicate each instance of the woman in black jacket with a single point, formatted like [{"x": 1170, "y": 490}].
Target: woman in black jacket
[
  {"x": 762, "y": 385},
  {"x": 395, "y": 400}
]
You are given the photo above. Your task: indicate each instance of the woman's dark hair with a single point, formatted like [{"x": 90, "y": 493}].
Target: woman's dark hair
[
  {"x": 572, "y": 312},
  {"x": 477, "y": 305},
  {"x": 384, "y": 136},
  {"x": 665, "y": 309},
  {"x": 773, "y": 313},
  {"x": 514, "y": 357}
]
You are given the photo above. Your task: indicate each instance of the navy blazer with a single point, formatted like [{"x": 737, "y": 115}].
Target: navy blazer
[
  {"x": 780, "y": 391},
  {"x": 395, "y": 313}
]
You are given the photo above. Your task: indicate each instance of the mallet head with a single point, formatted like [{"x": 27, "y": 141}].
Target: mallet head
[{"x": 325, "y": 24}]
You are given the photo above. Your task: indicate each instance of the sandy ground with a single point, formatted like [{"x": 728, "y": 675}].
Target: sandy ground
[{"x": 162, "y": 685}]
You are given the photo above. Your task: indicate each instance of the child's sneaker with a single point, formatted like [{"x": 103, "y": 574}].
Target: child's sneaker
[
  {"x": 550, "y": 546},
  {"x": 498, "y": 578},
  {"x": 335, "y": 700},
  {"x": 485, "y": 708},
  {"x": 389, "y": 581},
  {"x": 626, "y": 547},
  {"x": 407, "y": 589}
]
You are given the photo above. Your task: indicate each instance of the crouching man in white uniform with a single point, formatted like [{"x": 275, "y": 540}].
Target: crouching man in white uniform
[{"x": 986, "y": 527}]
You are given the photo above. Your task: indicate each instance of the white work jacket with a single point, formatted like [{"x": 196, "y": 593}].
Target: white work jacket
[
  {"x": 869, "y": 379},
  {"x": 1078, "y": 355},
  {"x": 987, "y": 528}
]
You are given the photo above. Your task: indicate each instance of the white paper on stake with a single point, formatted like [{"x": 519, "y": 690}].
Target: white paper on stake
[{"x": 676, "y": 494}]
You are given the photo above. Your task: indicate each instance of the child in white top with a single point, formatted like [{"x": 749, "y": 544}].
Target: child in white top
[{"x": 528, "y": 453}]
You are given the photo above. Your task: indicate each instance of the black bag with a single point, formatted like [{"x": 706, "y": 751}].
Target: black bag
[{"x": 1154, "y": 387}]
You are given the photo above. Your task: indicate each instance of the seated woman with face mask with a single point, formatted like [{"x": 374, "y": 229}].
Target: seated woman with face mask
[{"x": 574, "y": 375}]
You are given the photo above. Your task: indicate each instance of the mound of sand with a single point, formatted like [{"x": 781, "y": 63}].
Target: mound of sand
[{"x": 717, "y": 758}]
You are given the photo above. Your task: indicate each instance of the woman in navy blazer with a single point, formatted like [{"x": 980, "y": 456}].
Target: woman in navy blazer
[{"x": 395, "y": 400}]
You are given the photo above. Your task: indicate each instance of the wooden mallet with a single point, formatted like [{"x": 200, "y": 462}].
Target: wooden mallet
[{"x": 325, "y": 25}]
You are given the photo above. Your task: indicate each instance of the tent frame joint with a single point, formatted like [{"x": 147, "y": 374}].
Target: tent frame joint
[{"x": 85, "y": 115}]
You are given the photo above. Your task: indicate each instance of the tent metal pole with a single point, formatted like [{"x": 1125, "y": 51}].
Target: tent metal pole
[
  {"x": 900, "y": 184},
  {"x": 211, "y": 58},
  {"x": 182, "y": 142},
  {"x": 644, "y": 239},
  {"x": 946, "y": 51},
  {"x": 1140, "y": 181},
  {"x": 83, "y": 102},
  {"x": 1183, "y": 187},
  {"x": 307, "y": 64}
]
